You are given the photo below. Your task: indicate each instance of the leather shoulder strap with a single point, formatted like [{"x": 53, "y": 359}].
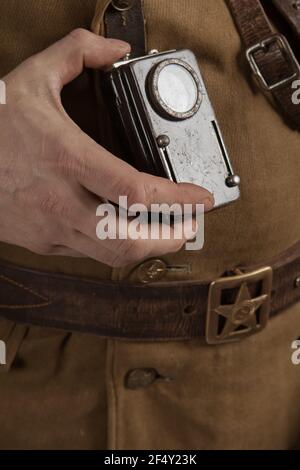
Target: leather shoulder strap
[
  {"x": 290, "y": 10},
  {"x": 269, "y": 55},
  {"x": 124, "y": 19}
]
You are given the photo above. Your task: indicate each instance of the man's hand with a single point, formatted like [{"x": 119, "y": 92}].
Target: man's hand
[{"x": 53, "y": 176}]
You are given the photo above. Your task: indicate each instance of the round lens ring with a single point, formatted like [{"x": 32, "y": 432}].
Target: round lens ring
[{"x": 175, "y": 89}]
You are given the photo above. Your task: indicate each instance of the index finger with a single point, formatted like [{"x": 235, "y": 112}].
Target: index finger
[{"x": 109, "y": 177}]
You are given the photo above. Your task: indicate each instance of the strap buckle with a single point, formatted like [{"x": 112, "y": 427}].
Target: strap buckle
[
  {"x": 238, "y": 306},
  {"x": 286, "y": 50}
]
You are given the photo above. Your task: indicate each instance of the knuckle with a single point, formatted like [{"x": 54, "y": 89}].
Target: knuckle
[
  {"x": 70, "y": 164},
  {"x": 128, "y": 252},
  {"x": 48, "y": 202},
  {"x": 63, "y": 160},
  {"x": 52, "y": 204},
  {"x": 28, "y": 81},
  {"x": 33, "y": 65},
  {"x": 80, "y": 35},
  {"x": 134, "y": 251},
  {"x": 136, "y": 193},
  {"x": 150, "y": 191},
  {"x": 144, "y": 190},
  {"x": 43, "y": 249}
]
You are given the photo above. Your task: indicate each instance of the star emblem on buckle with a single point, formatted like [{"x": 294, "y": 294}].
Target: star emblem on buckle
[{"x": 248, "y": 314}]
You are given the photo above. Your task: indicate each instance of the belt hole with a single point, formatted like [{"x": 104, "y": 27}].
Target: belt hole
[{"x": 190, "y": 309}]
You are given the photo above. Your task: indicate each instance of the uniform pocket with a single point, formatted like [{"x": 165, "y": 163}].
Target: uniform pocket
[{"x": 11, "y": 337}]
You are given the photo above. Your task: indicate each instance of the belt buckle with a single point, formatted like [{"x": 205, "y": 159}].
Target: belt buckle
[
  {"x": 246, "y": 309},
  {"x": 284, "y": 46}
]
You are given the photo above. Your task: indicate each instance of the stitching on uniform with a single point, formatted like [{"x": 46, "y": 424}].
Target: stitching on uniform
[
  {"x": 112, "y": 400},
  {"x": 27, "y": 289}
]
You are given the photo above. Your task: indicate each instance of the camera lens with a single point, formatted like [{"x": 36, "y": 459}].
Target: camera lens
[{"x": 175, "y": 89}]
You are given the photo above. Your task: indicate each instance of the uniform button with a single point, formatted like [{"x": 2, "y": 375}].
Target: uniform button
[
  {"x": 140, "y": 378},
  {"x": 151, "y": 271}
]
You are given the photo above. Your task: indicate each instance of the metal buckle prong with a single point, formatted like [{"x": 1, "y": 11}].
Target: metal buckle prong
[
  {"x": 284, "y": 46},
  {"x": 247, "y": 315}
]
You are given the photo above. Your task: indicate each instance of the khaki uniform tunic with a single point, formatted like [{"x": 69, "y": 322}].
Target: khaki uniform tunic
[{"x": 66, "y": 390}]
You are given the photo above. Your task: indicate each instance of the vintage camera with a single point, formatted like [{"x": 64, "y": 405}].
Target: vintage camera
[{"x": 162, "y": 110}]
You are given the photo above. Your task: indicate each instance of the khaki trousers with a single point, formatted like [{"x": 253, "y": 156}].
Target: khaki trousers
[{"x": 70, "y": 391}]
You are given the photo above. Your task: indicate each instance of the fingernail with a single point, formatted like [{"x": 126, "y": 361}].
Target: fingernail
[
  {"x": 122, "y": 45},
  {"x": 209, "y": 203}
]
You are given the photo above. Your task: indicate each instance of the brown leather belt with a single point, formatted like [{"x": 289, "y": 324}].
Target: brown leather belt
[
  {"x": 227, "y": 309},
  {"x": 269, "y": 55}
]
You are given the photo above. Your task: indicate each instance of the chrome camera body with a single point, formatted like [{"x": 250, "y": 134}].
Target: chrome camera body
[{"x": 162, "y": 111}]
